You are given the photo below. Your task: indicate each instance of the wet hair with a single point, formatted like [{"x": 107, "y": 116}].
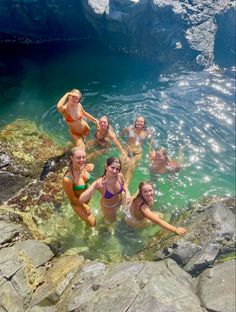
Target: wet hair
[
  {"x": 70, "y": 154},
  {"x": 108, "y": 126},
  {"x": 144, "y": 126},
  {"x": 77, "y": 92},
  {"x": 140, "y": 195},
  {"x": 110, "y": 161},
  {"x": 163, "y": 150}
]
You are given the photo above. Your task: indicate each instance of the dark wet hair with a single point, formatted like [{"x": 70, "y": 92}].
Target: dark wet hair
[
  {"x": 110, "y": 161},
  {"x": 140, "y": 195}
]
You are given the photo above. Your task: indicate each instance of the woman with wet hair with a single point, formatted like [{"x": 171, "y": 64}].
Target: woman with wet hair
[
  {"x": 136, "y": 136},
  {"x": 72, "y": 111},
  {"x": 113, "y": 189},
  {"x": 140, "y": 214},
  {"x": 76, "y": 180},
  {"x": 159, "y": 162},
  {"x": 104, "y": 137}
]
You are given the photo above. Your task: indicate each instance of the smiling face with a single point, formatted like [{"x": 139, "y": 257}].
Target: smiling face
[
  {"x": 113, "y": 169},
  {"x": 79, "y": 158},
  {"x": 74, "y": 99},
  {"x": 147, "y": 192},
  {"x": 103, "y": 123},
  {"x": 160, "y": 157},
  {"x": 139, "y": 123}
]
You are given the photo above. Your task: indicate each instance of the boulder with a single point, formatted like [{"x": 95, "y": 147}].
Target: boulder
[{"x": 211, "y": 233}]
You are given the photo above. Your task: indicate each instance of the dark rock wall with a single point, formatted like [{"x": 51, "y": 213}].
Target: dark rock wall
[
  {"x": 163, "y": 30},
  {"x": 36, "y": 21}
]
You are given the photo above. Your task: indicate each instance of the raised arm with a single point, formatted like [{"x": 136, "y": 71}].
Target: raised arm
[
  {"x": 150, "y": 215},
  {"x": 114, "y": 138},
  {"x": 87, "y": 115},
  {"x": 68, "y": 188},
  {"x": 61, "y": 103},
  {"x": 87, "y": 194},
  {"x": 128, "y": 197},
  {"x": 124, "y": 131}
]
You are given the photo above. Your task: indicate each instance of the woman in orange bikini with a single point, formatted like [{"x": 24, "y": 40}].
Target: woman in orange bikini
[
  {"x": 112, "y": 188},
  {"x": 140, "y": 214},
  {"x": 104, "y": 137},
  {"x": 76, "y": 181},
  {"x": 72, "y": 111}
]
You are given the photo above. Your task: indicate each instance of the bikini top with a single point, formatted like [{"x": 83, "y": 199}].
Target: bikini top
[
  {"x": 77, "y": 187},
  {"x": 138, "y": 138},
  {"x": 69, "y": 118},
  {"x": 109, "y": 195},
  {"x": 100, "y": 140}
]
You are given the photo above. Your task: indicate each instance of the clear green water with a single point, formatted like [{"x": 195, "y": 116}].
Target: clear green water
[{"x": 182, "y": 107}]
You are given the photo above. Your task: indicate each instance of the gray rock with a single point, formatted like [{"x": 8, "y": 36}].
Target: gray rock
[
  {"x": 132, "y": 286},
  {"x": 36, "y": 251},
  {"x": 8, "y": 229},
  {"x": 216, "y": 287},
  {"x": 10, "y": 301},
  {"x": 211, "y": 233},
  {"x": 11, "y": 184},
  {"x": 4, "y": 160}
]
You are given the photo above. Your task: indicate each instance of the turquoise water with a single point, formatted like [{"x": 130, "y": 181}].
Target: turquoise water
[{"x": 194, "y": 110}]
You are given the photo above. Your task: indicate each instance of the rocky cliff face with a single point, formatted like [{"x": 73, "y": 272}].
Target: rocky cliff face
[{"x": 160, "y": 29}]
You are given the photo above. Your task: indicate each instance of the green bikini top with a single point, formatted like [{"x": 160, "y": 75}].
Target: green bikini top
[{"x": 77, "y": 187}]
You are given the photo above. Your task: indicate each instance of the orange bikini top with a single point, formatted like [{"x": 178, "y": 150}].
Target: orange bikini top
[{"x": 69, "y": 118}]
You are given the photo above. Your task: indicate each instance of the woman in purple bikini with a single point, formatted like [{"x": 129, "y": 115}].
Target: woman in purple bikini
[{"x": 113, "y": 189}]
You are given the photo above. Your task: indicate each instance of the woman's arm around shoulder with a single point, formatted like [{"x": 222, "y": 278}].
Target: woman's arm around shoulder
[{"x": 88, "y": 116}]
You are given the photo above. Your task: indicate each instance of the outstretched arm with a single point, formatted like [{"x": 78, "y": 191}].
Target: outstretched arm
[
  {"x": 114, "y": 138},
  {"x": 150, "y": 215},
  {"x": 95, "y": 186},
  {"x": 87, "y": 115},
  {"x": 61, "y": 103}
]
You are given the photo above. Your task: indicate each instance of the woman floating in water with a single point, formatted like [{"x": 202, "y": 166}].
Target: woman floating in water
[
  {"x": 76, "y": 181},
  {"x": 112, "y": 188},
  {"x": 104, "y": 137},
  {"x": 140, "y": 212},
  {"x": 137, "y": 135},
  {"x": 72, "y": 111},
  {"x": 160, "y": 162}
]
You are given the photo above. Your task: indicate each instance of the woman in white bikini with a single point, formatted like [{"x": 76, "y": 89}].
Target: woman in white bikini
[
  {"x": 136, "y": 136},
  {"x": 112, "y": 188},
  {"x": 140, "y": 214},
  {"x": 72, "y": 111}
]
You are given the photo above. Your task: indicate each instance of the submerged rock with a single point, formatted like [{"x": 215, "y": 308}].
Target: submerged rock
[{"x": 21, "y": 156}]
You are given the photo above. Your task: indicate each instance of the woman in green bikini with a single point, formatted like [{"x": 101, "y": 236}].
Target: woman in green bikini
[{"x": 76, "y": 181}]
